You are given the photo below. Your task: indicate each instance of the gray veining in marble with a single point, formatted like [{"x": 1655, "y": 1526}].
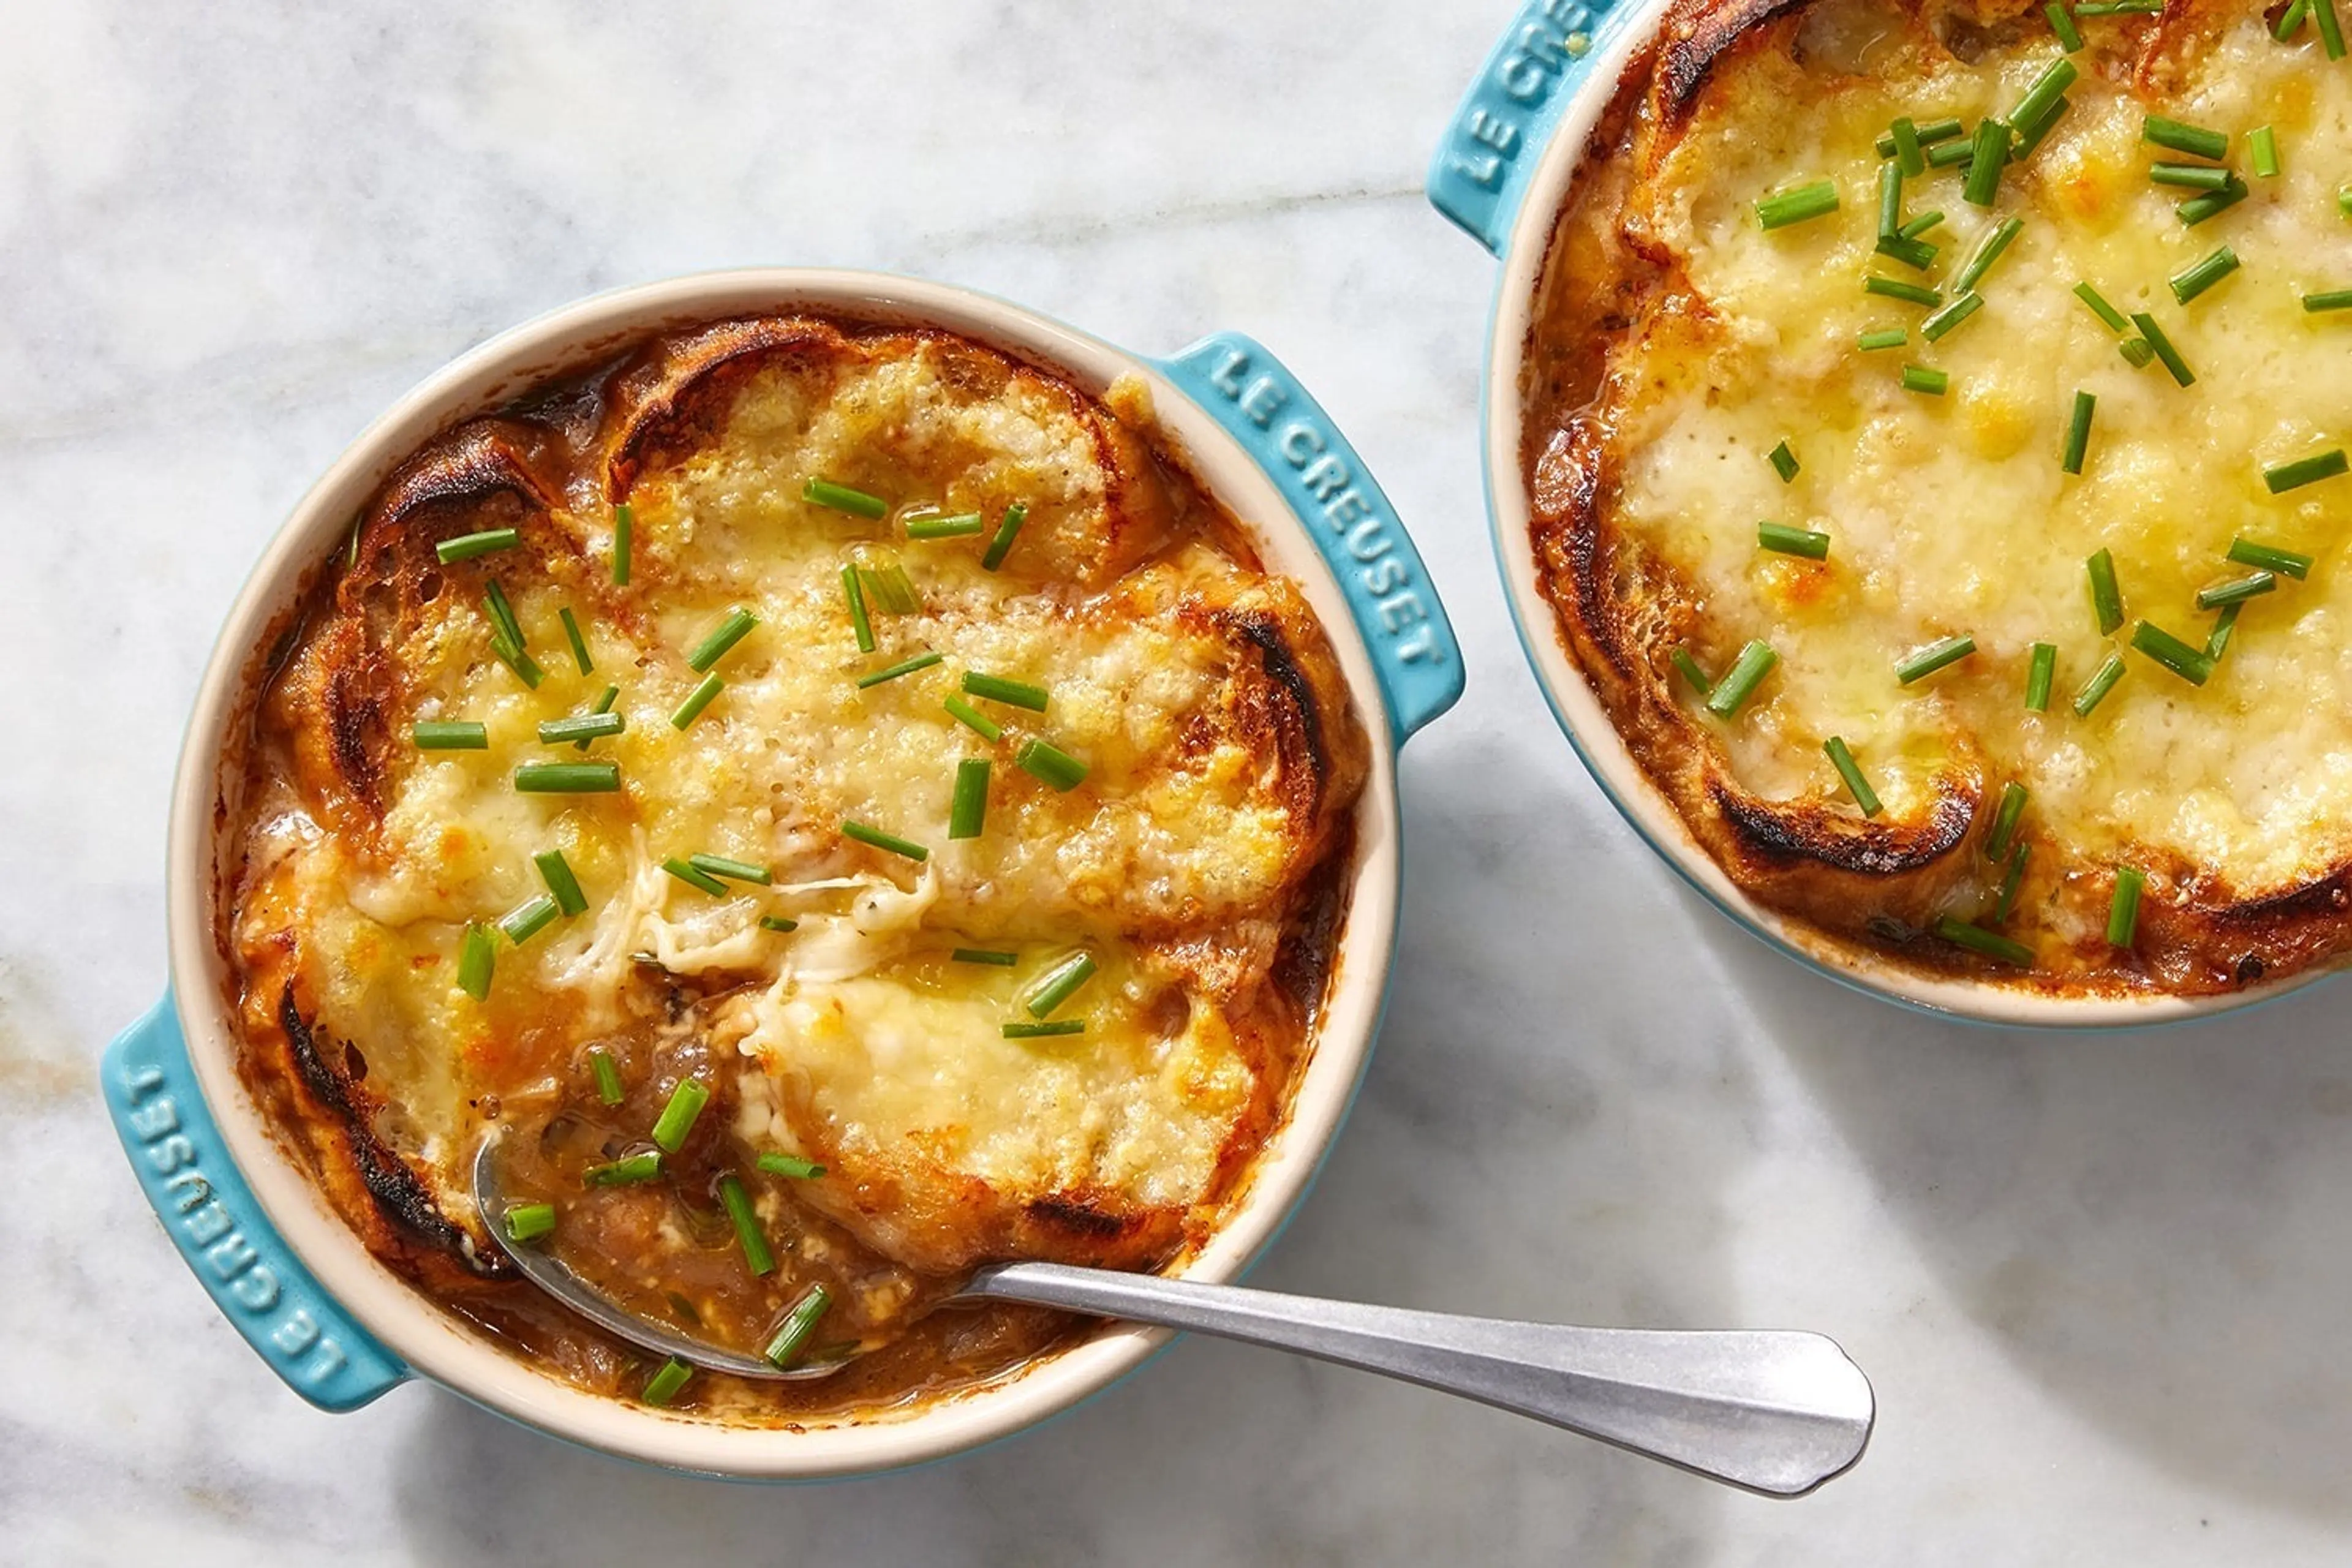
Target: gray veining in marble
[{"x": 2100, "y": 1284}]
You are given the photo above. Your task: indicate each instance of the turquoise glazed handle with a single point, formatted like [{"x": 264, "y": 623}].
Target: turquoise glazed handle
[
  {"x": 1506, "y": 121},
  {"x": 212, "y": 1215},
  {"x": 1285, "y": 432}
]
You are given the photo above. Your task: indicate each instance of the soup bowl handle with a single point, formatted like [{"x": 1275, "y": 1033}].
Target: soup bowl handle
[
  {"x": 1285, "y": 433},
  {"x": 1493, "y": 143},
  {"x": 214, "y": 1218}
]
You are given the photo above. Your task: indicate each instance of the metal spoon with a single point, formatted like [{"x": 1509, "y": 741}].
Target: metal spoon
[{"x": 1772, "y": 1412}]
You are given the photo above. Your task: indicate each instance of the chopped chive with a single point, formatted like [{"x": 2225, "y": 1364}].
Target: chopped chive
[
  {"x": 1989, "y": 944},
  {"x": 2269, "y": 557},
  {"x": 887, "y": 588},
  {"x": 2042, "y": 99},
  {"x": 1059, "y": 984},
  {"x": 1928, "y": 382},
  {"x": 955, "y": 526},
  {"x": 1011, "y": 693},
  {"x": 697, "y": 701},
  {"x": 2137, "y": 352},
  {"x": 556, "y": 872},
  {"x": 568, "y": 778},
  {"x": 579, "y": 643},
  {"x": 1056, "y": 766},
  {"x": 1989, "y": 249},
  {"x": 2193, "y": 140},
  {"x": 2197, "y": 278},
  {"x": 1950, "y": 153},
  {"x": 1682, "y": 661},
  {"x": 2005, "y": 820},
  {"x": 1021, "y": 1031},
  {"x": 841, "y": 498},
  {"x": 477, "y": 962},
  {"x": 881, "y": 840},
  {"x": 2331, "y": 30},
  {"x": 2334, "y": 299},
  {"x": 1799, "y": 205},
  {"x": 2119, "y": 8},
  {"x": 799, "y": 1324},
  {"x": 1935, "y": 326},
  {"x": 2198, "y": 210},
  {"x": 968, "y": 808},
  {"x": 1920, "y": 225},
  {"x": 450, "y": 735},
  {"x": 859, "y": 623},
  {"x": 2078, "y": 431},
  {"x": 757, "y": 1256},
  {"x": 2100, "y": 308},
  {"x": 663, "y": 1386},
  {"x": 2123, "y": 912},
  {"x": 2192, "y": 176},
  {"x": 1740, "y": 681},
  {"x": 1842, "y": 759},
  {"x": 623, "y": 1172},
  {"x": 2217, "y": 642},
  {"x": 2031, "y": 133},
  {"x": 694, "y": 877},
  {"x": 1936, "y": 656},
  {"x": 603, "y": 705},
  {"x": 2248, "y": 587},
  {"x": 2162, "y": 348},
  {"x": 2039, "y": 676},
  {"x": 624, "y": 530},
  {"x": 2303, "y": 472},
  {"x": 2095, "y": 689},
  {"x": 732, "y": 870},
  {"x": 1784, "y": 463},
  {"x": 993, "y": 957},
  {"x": 904, "y": 667},
  {"x": 528, "y": 918},
  {"x": 1890, "y": 201},
  {"x": 2062, "y": 22},
  {"x": 778, "y": 922},
  {"x": 2290, "y": 21},
  {"x": 1915, "y": 254},
  {"x": 1987, "y": 152},
  {"x": 1896, "y": 289},
  {"x": 791, "y": 1165},
  {"x": 607, "y": 1075},
  {"x": 1909, "y": 156},
  {"x": 1885, "y": 338},
  {"x": 526, "y": 668},
  {"x": 466, "y": 546},
  {"x": 1006, "y": 530},
  {"x": 2106, "y": 595},
  {"x": 2262, "y": 145},
  {"x": 529, "y": 1222},
  {"x": 676, "y": 1120},
  {"x": 502, "y": 613},
  {"x": 1934, "y": 131},
  {"x": 974, "y": 718},
  {"x": 352, "y": 551},
  {"x": 579, "y": 727},
  {"x": 2190, "y": 663},
  {"x": 1788, "y": 541},
  {"x": 2344, "y": 200},
  {"x": 726, "y": 635},
  {"x": 2011, "y": 879}
]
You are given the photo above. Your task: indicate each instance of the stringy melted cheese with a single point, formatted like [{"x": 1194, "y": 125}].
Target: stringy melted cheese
[{"x": 1951, "y": 515}]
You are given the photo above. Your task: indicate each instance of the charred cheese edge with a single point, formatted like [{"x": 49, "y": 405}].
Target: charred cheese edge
[{"x": 1676, "y": 343}]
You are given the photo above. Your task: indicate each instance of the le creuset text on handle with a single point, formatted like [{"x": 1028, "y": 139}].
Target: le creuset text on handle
[
  {"x": 213, "y": 1218},
  {"x": 1285, "y": 432},
  {"x": 1506, "y": 121}
]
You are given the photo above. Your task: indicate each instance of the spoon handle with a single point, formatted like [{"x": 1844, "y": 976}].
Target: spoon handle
[{"x": 1778, "y": 1413}]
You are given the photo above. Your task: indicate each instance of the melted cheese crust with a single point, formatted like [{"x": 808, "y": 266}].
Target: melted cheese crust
[{"x": 1951, "y": 516}]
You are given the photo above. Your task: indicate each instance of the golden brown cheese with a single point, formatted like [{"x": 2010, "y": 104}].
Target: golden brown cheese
[
  {"x": 1678, "y": 342},
  {"x": 1196, "y": 861}
]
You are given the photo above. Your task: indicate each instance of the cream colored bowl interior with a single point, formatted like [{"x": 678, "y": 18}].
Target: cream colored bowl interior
[
  {"x": 1588, "y": 723},
  {"x": 438, "y": 1345}
]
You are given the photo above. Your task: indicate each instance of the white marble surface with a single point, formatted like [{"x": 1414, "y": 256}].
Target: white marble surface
[{"x": 2101, "y": 1285}]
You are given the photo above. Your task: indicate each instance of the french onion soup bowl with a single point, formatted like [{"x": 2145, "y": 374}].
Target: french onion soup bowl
[
  {"x": 847, "y": 781},
  {"x": 1913, "y": 438}
]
